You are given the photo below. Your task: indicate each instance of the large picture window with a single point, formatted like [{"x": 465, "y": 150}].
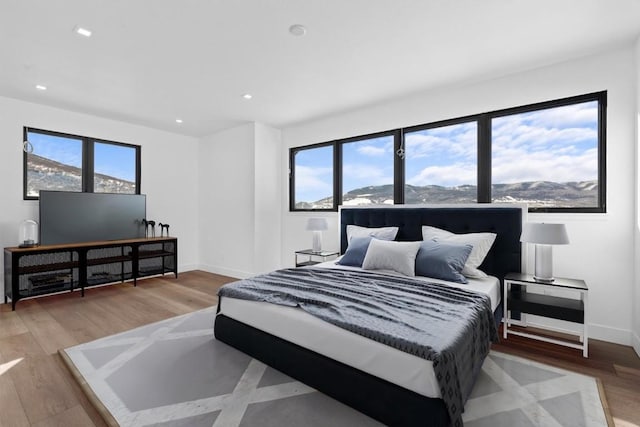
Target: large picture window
[
  {"x": 547, "y": 158},
  {"x": 58, "y": 161},
  {"x": 550, "y": 155}
]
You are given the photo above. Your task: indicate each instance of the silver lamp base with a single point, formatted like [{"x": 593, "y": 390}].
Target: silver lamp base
[
  {"x": 316, "y": 245},
  {"x": 544, "y": 264}
]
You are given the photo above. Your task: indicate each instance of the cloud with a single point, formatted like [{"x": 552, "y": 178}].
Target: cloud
[
  {"x": 376, "y": 147},
  {"x": 558, "y": 144},
  {"x": 448, "y": 142},
  {"x": 313, "y": 183},
  {"x": 515, "y": 166},
  {"x": 358, "y": 175},
  {"x": 447, "y": 176},
  {"x": 370, "y": 150}
]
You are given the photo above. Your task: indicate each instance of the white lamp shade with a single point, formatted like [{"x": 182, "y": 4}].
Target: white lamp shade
[
  {"x": 544, "y": 234},
  {"x": 317, "y": 224}
]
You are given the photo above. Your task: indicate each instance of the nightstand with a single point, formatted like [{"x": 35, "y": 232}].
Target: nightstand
[
  {"x": 310, "y": 257},
  {"x": 516, "y": 298}
]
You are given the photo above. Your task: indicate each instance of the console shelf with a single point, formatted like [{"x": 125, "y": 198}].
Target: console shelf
[{"x": 44, "y": 270}]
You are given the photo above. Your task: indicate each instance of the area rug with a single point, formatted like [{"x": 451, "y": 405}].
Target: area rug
[{"x": 175, "y": 373}]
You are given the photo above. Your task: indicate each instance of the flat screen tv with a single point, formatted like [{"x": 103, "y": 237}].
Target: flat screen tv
[{"x": 68, "y": 217}]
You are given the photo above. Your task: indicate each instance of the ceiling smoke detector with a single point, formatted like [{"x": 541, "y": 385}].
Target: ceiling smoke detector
[{"x": 298, "y": 30}]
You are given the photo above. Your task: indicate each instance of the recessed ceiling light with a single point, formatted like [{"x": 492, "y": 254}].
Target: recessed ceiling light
[
  {"x": 247, "y": 96},
  {"x": 298, "y": 30},
  {"x": 178, "y": 120},
  {"x": 41, "y": 87},
  {"x": 82, "y": 31}
]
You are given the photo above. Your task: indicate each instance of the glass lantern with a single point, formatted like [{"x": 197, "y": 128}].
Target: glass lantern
[{"x": 28, "y": 234}]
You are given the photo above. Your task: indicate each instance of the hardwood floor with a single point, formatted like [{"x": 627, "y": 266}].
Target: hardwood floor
[{"x": 36, "y": 389}]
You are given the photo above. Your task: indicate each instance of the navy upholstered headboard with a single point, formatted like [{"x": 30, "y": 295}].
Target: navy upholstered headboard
[{"x": 506, "y": 222}]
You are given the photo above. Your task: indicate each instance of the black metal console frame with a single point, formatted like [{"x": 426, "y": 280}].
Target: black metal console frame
[{"x": 78, "y": 264}]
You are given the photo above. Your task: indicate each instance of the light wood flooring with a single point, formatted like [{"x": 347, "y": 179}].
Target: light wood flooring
[{"x": 36, "y": 389}]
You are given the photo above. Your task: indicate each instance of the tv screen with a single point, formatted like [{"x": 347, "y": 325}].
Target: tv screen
[{"x": 68, "y": 217}]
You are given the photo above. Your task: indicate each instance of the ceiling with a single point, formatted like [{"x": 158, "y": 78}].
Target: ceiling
[{"x": 151, "y": 62}]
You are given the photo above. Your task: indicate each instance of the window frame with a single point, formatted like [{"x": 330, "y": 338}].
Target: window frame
[
  {"x": 395, "y": 134},
  {"x": 484, "y": 154},
  {"x": 292, "y": 182},
  {"x": 88, "y": 159},
  {"x": 601, "y": 99},
  {"x": 440, "y": 124}
]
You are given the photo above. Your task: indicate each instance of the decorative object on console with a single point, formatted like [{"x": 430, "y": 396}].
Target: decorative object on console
[
  {"x": 152, "y": 224},
  {"x": 317, "y": 225},
  {"x": 544, "y": 236},
  {"x": 28, "y": 234},
  {"x": 162, "y": 227}
]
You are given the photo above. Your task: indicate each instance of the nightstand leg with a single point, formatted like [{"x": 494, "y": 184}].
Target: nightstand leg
[
  {"x": 585, "y": 343},
  {"x": 505, "y": 312}
]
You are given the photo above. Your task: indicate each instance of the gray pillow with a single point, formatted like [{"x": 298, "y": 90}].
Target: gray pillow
[
  {"x": 354, "y": 256},
  {"x": 389, "y": 255},
  {"x": 442, "y": 260}
]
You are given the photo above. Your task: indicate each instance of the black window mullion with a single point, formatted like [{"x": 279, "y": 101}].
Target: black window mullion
[
  {"x": 337, "y": 175},
  {"x": 292, "y": 179},
  {"x": 602, "y": 143},
  {"x": 138, "y": 169},
  {"x": 25, "y": 165},
  {"x": 87, "y": 165},
  {"x": 398, "y": 167},
  {"x": 484, "y": 159}
]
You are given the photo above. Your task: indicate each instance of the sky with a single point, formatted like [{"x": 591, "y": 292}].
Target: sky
[
  {"x": 110, "y": 159},
  {"x": 558, "y": 144}
]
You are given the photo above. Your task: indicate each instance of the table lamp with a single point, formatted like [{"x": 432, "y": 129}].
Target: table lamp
[
  {"x": 544, "y": 236},
  {"x": 317, "y": 225}
]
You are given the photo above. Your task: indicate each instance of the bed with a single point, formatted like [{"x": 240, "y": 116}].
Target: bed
[{"x": 389, "y": 385}]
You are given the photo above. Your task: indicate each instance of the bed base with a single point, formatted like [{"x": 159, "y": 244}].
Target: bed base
[{"x": 386, "y": 402}]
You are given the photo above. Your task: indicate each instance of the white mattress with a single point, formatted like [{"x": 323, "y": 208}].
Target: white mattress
[{"x": 305, "y": 330}]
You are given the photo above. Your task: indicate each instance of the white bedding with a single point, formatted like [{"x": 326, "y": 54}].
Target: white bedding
[{"x": 305, "y": 330}]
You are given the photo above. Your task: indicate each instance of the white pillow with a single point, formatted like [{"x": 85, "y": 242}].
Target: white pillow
[
  {"x": 396, "y": 256},
  {"x": 481, "y": 243},
  {"x": 382, "y": 233}
]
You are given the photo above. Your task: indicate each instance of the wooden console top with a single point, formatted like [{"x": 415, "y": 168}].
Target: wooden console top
[{"x": 101, "y": 243}]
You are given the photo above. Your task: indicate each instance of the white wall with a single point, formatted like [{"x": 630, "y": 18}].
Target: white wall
[
  {"x": 636, "y": 293},
  {"x": 602, "y": 245},
  {"x": 169, "y": 175},
  {"x": 239, "y": 200},
  {"x": 268, "y": 198}
]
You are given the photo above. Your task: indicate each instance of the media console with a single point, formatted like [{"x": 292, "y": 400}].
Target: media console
[{"x": 48, "y": 269}]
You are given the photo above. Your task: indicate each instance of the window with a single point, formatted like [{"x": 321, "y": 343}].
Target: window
[
  {"x": 441, "y": 164},
  {"x": 114, "y": 168},
  {"x": 312, "y": 178},
  {"x": 53, "y": 163},
  {"x": 547, "y": 158},
  {"x": 367, "y": 171},
  {"x": 550, "y": 155},
  {"x": 57, "y": 161}
]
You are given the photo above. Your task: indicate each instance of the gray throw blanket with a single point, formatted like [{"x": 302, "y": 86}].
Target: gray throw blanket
[{"x": 450, "y": 326}]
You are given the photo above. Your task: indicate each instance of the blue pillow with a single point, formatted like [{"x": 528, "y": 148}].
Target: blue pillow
[
  {"x": 354, "y": 256},
  {"x": 442, "y": 260}
]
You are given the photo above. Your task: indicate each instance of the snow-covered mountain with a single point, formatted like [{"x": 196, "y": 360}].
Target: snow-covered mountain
[
  {"x": 536, "y": 194},
  {"x": 48, "y": 174}
]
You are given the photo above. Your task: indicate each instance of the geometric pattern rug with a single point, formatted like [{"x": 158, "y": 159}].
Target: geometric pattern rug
[{"x": 175, "y": 373}]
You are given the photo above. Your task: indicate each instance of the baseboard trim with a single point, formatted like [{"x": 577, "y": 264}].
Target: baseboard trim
[
  {"x": 596, "y": 331},
  {"x": 636, "y": 343},
  {"x": 226, "y": 271},
  {"x": 188, "y": 267}
]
